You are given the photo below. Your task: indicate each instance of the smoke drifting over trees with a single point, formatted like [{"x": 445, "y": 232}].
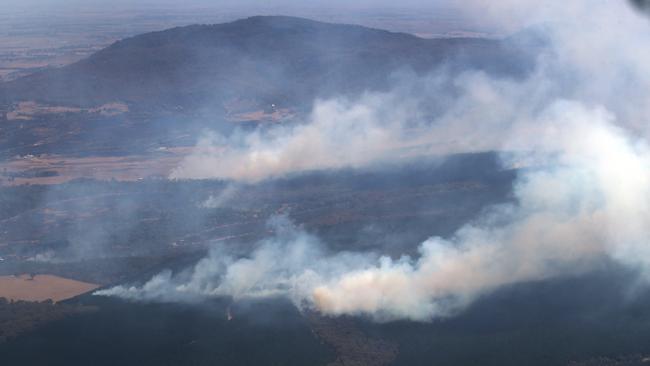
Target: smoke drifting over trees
[{"x": 576, "y": 126}]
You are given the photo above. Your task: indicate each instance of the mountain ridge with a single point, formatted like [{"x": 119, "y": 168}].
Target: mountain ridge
[
  {"x": 147, "y": 66},
  {"x": 169, "y": 84}
]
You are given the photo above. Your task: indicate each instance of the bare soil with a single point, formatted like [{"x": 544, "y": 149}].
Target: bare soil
[{"x": 42, "y": 287}]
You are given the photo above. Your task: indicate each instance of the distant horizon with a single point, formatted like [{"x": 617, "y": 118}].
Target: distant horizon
[{"x": 441, "y": 16}]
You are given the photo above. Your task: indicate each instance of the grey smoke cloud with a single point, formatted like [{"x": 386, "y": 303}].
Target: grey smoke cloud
[
  {"x": 596, "y": 60},
  {"x": 584, "y": 204},
  {"x": 577, "y": 127},
  {"x": 290, "y": 263},
  {"x": 589, "y": 202},
  {"x": 339, "y": 134}
]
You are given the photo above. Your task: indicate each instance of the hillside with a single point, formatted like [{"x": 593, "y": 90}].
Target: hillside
[
  {"x": 159, "y": 89},
  {"x": 279, "y": 58}
]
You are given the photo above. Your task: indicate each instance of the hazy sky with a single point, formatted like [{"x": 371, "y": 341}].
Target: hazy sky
[
  {"x": 234, "y": 3},
  {"x": 128, "y": 17}
]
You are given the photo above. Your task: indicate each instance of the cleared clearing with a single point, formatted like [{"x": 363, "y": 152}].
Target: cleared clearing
[{"x": 42, "y": 287}]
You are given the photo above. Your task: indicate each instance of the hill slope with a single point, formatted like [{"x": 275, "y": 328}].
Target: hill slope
[
  {"x": 273, "y": 57},
  {"x": 245, "y": 70}
]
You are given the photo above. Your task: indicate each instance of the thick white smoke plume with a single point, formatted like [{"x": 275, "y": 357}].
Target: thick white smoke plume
[
  {"x": 587, "y": 202},
  {"x": 598, "y": 54},
  {"x": 340, "y": 134},
  {"x": 578, "y": 125},
  {"x": 590, "y": 201},
  {"x": 291, "y": 264}
]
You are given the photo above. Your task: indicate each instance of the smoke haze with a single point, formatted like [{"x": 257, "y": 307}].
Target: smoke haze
[{"x": 576, "y": 127}]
